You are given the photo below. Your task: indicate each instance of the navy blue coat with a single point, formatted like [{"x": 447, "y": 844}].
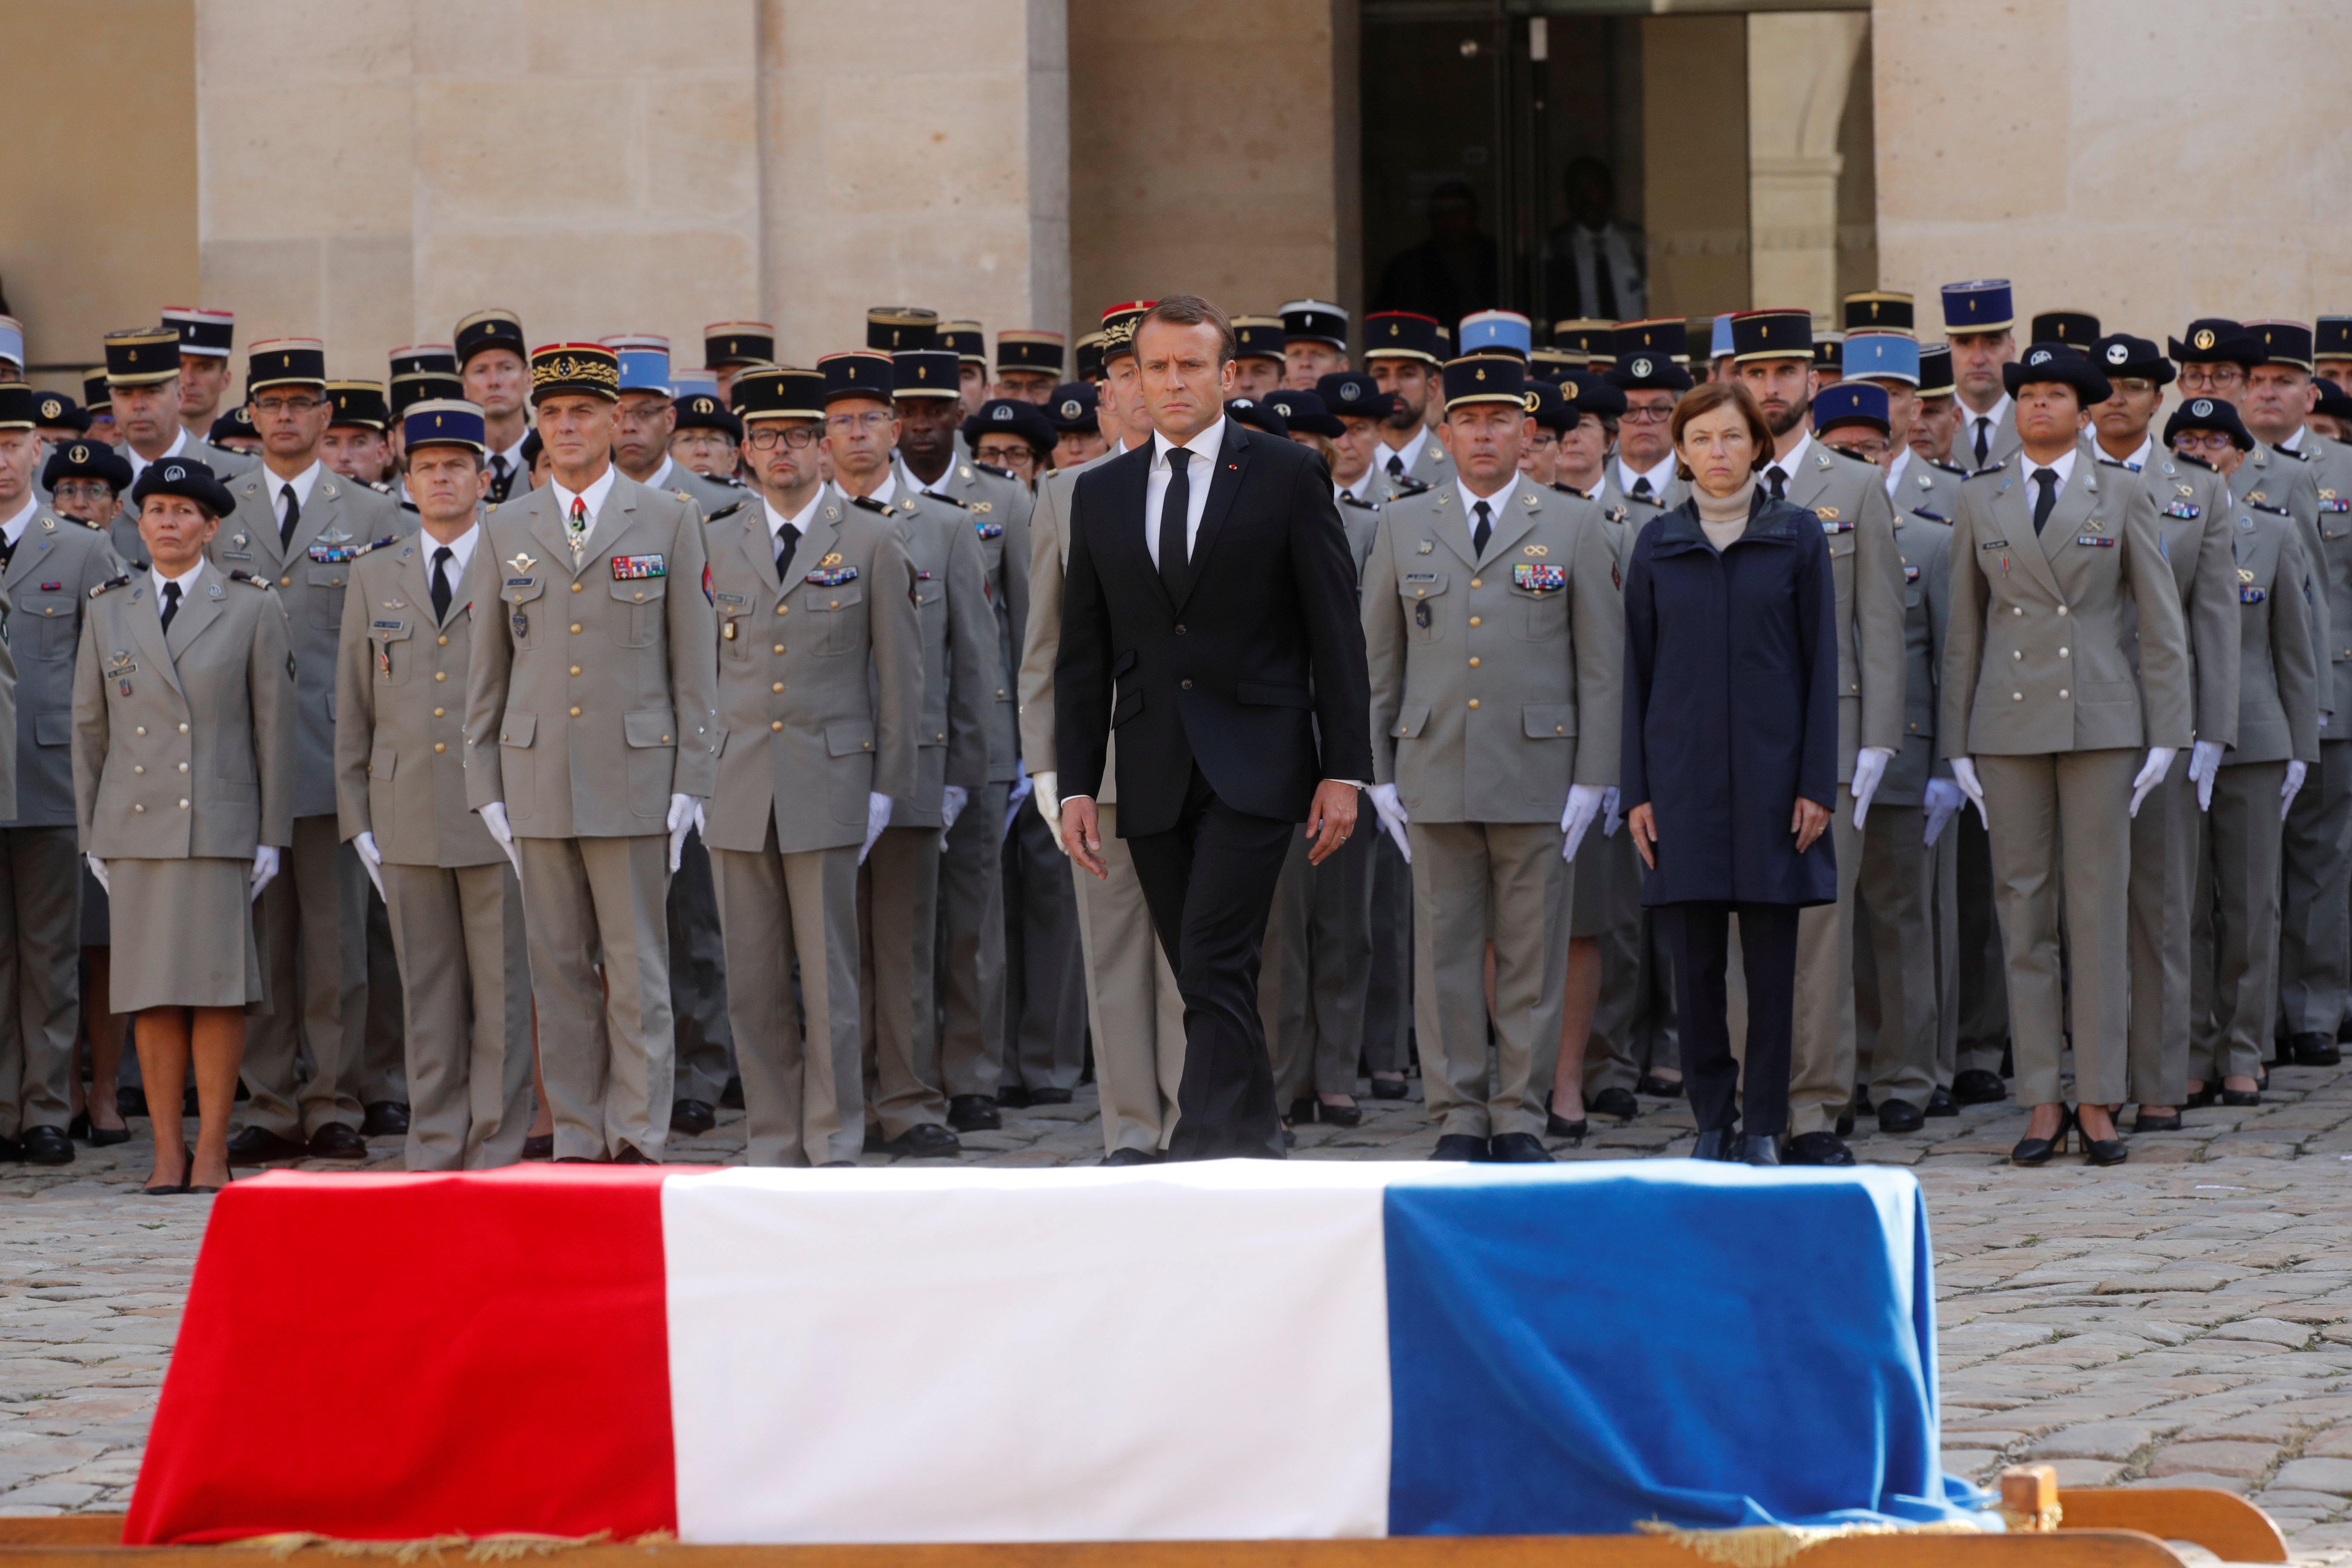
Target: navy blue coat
[{"x": 1731, "y": 705}]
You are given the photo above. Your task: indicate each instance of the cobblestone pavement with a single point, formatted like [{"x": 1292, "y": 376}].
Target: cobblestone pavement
[{"x": 2186, "y": 1319}]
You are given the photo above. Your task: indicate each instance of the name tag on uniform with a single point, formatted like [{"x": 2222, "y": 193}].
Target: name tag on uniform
[
  {"x": 833, "y": 576},
  {"x": 520, "y": 582},
  {"x": 1421, "y": 577},
  {"x": 2249, "y": 594},
  {"x": 1994, "y": 544},
  {"x": 1538, "y": 579},
  {"x": 2181, "y": 509},
  {"x": 733, "y": 599},
  {"x": 2096, "y": 540},
  {"x": 637, "y": 568},
  {"x": 387, "y": 625},
  {"x": 989, "y": 529}
]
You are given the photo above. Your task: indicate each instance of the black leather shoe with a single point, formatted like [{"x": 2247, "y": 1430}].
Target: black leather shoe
[
  {"x": 692, "y": 1117},
  {"x": 732, "y": 1097},
  {"x": 2105, "y": 1150},
  {"x": 48, "y": 1146},
  {"x": 1339, "y": 1115},
  {"x": 631, "y": 1154},
  {"x": 1617, "y": 1103},
  {"x": 1975, "y": 1086},
  {"x": 1941, "y": 1103},
  {"x": 540, "y": 1147},
  {"x": 1460, "y": 1146},
  {"x": 1861, "y": 1105},
  {"x": 2242, "y": 1096},
  {"x": 1389, "y": 1089},
  {"x": 1517, "y": 1149},
  {"x": 2037, "y": 1151},
  {"x": 1817, "y": 1149},
  {"x": 2312, "y": 1050},
  {"x": 1662, "y": 1088},
  {"x": 1049, "y": 1097},
  {"x": 1845, "y": 1127},
  {"x": 1012, "y": 1097},
  {"x": 1558, "y": 1126},
  {"x": 1901, "y": 1116},
  {"x": 1713, "y": 1144},
  {"x": 1131, "y": 1157},
  {"x": 337, "y": 1141},
  {"x": 924, "y": 1141},
  {"x": 259, "y": 1146},
  {"x": 2144, "y": 1122},
  {"x": 1760, "y": 1148},
  {"x": 974, "y": 1113},
  {"x": 385, "y": 1118}
]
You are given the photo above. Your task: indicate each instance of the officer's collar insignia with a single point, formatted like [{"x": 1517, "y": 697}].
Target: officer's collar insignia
[
  {"x": 520, "y": 563},
  {"x": 833, "y": 558},
  {"x": 48, "y": 525},
  {"x": 1926, "y": 483},
  {"x": 2091, "y": 483},
  {"x": 833, "y": 514},
  {"x": 1821, "y": 459},
  {"x": 1425, "y": 548},
  {"x": 1538, "y": 550},
  {"x": 215, "y": 589},
  {"x": 1529, "y": 500}
]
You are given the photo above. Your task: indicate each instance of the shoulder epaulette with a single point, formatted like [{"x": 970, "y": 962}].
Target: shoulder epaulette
[
  {"x": 950, "y": 500},
  {"x": 2273, "y": 511},
  {"x": 993, "y": 469},
  {"x": 376, "y": 544},
  {"x": 379, "y": 487},
  {"x": 2300, "y": 456},
  {"x": 1930, "y": 516},
  {"x": 1408, "y": 486},
  {"x": 1852, "y": 457},
  {"x": 1360, "y": 501},
  {"x": 408, "y": 506},
  {"x": 2193, "y": 457},
  {"x": 111, "y": 583},
  {"x": 1980, "y": 473},
  {"x": 728, "y": 511},
  {"x": 2107, "y": 462},
  {"x": 870, "y": 505},
  {"x": 1573, "y": 491},
  {"x": 239, "y": 574},
  {"x": 1948, "y": 467}
]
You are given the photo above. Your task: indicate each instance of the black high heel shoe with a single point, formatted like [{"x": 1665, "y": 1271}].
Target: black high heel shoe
[
  {"x": 187, "y": 1169},
  {"x": 2037, "y": 1151},
  {"x": 2103, "y": 1151}
]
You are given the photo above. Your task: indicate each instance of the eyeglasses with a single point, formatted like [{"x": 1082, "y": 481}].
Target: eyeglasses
[
  {"x": 2210, "y": 377},
  {"x": 872, "y": 420},
  {"x": 1646, "y": 416},
  {"x": 1870, "y": 448},
  {"x": 287, "y": 404},
  {"x": 765, "y": 437},
  {"x": 1539, "y": 440},
  {"x": 2135, "y": 385},
  {"x": 84, "y": 489},
  {"x": 1009, "y": 457},
  {"x": 2206, "y": 441}
]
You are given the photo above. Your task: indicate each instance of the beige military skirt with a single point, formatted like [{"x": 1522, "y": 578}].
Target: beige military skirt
[{"x": 183, "y": 934}]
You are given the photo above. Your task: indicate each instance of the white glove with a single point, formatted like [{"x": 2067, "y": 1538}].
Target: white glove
[
  {"x": 1390, "y": 812},
  {"x": 1964, "y": 773},
  {"x": 1583, "y": 805},
  {"x": 1049, "y": 804},
  {"x": 264, "y": 867},
  {"x": 1609, "y": 819},
  {"x": 952, "y": 799},
  {"x": 2204, "y": 760},
  {"x": 681, "y": 822},
  {"x": 98, "y": 869},
  {"x": 373, "y": 858},
  {"x": 1869, "y": 767},
  {"x": 2294, "y": 776},
  {"x": 494, "y": 818},
  {"x": 1944, "y": 800},
  {"x": 2151, "y": 774},
  {"x": 878, "y": 817},
  {"x": 701, "y": 822}
]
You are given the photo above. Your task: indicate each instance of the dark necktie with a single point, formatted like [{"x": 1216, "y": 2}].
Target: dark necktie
[
  {"x": 7, "y": 552},
  {"x": 499, "y": 474},
  {"x": 1641, "y": 490},
  {"x": 2046, "y": 482},
  {"x": 170, "y": 604},
  {"x": 1396, "y": 467},
  {"x": 1484, "y": 532},
  {"x": 1779, "y": 482},
  {"x": 293, "y": 517},
  {"x": 1174, "y": 509},
  {"x": 441, "y": 559},
  {"x": 788, "y": 540},
  {"x": 1984, "y": 422}
]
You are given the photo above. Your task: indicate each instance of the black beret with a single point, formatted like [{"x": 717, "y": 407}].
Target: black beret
[
  {"x": 183, "y": 477},
  {"x": 1305, "y": 411},
  {"x": 56, "y": 411},
  {"x": 701, "y": 410},
  {"x": 1592, "y": 392},
  {"x": 2210, "y": 414},
  {"x": 1550, "y": 408},
  {"x": 1263, "y": 416},
  {"x": 2056, "y": 362},
  {"x": 2120, "y": 353},
  {"x": 1023, "y": 418},
  {"x": 2335, "y": 403},
  {"x": 1075, "y": 405},
  {"x": 237, "y": 424},
  {"x": 1641, "y": 371},
  {"x": 1355, "y": 394},
  {"x": 86, "y": 460}
]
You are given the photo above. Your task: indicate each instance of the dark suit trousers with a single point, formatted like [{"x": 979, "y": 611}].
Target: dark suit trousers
[
  {"x": 1697, "y": 935},
  {"x": 1210, "y": 882}
]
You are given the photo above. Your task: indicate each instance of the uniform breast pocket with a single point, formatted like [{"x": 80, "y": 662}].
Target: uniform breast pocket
[
  {"x": 521, "y": 596},
  {"x": 323, "y": 587},
  {"x": 1421, "y": 593},
  {"x": 57, "y": 630},
  {"x": 1539, "y": 613},
  {"x": 735, "y": 635},
  {"x": 637, "y": 614},
  {"x": 840, "y": 614},
  {"x": 391, "y": 644},
  {"x": 931, "y": 608}
]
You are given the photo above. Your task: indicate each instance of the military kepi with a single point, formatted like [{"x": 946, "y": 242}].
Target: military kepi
[
  {"x": 444, "y": 422},
  {"x": 1852, "y": 402},
  {"x": 358, "y": 403},
  {"x": 489, "y": 330},
  {"x": 1498, "y": 332},
  {"x": 1029, "y": 350},
  {"x": 1779, "y": 333},
  {"x": 1978, "y": 305},
  {"x": 2075, "y": 329},
  {"x": 1882, "y": 356},
  {"x": 142, "y": 356},
  {"x": 860, "y": 373},
  {"x": 1254, "y": 337},
  {"x": 570, "y": 370},
  {"x": 777, "y": 392},
  {"x": 2283, "y": 343},
  {"x": 893, "y": 328},
  {"x": 1485, "y": 378},
  {"x": 1877, "y": 311},
  {"x": 285, "y": 361},
  {"x": 726, "y": 343},
  {"x": 210, "y": 333},
  {"x": 927, "y": 373},
  {"x": 18, "y": 407},
  {"x": 1402, "y": 334},
  {"x": 1315, "y": 322}
]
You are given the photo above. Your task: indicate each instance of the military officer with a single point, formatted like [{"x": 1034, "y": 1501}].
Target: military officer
[
  {"x": 968, "y": 342},
  {"x": 206, "y": 339},
  {"x": 1401, "y": 351},
  {"x": 647, "y": 417},
  {"x": 2331, "y": 349},
  {"x": 591, "y": 732},
  {"x": 820, "y": 691},
  {"x": 84, "y": 480},
  {"x": 1829, "y": 363},
  {"x": 1314, "y": 341},
  {"x": 1583, "y": 461},
  {"x": 1260, "y": 356},
  {"x": 1981, "y": 326},
  {"x": 729, "y": 347},
  {"x": 97, "y": 402},
  {"x": 899, "y": 884},
  {"x": 1132, "y": 997},
  {"x": 1918, "y": 480},
  {"x": 454, "y": 904},
  {"x": 142, "y": 378},
  {"x": 2045, "y": 726},
  {"x": 1643, "y": 472},
  {"x": 1078, "y": 424},
  {"x": 489, "y": 349},
  {"x": 1028, "y": 365},
  {"x": 1874, "y": 311},
  {"x": 2078, "y": 329},
  {"x": 1088, "y": 354},
  {"x": 709, "y": 438},
  {"x": 48, "y": 565},
  {"x": 968, "y": 960},
  {"x": 355, "y": 446}
]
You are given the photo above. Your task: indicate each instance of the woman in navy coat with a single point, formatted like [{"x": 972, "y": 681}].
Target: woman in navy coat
[{"x": 1730, "y": 752}]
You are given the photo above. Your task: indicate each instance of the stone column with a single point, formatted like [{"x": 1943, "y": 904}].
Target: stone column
[{"x": 1799, "y": 67}]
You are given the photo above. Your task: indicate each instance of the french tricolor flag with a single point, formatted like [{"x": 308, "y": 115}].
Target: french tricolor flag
[{"x": 1232, "y": 1350}]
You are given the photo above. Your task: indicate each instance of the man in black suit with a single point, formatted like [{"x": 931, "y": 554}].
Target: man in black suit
[{"x": 1210, "y": 583}]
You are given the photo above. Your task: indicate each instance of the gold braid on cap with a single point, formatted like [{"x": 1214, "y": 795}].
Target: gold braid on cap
[{"x": 572, "y": 368}]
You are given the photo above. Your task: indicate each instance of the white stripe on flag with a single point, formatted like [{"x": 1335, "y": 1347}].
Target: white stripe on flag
[{"x": 941, "y": 1355}]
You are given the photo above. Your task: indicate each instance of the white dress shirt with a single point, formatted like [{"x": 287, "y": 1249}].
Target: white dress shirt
[
  {"x": 1409, "y": 454},
  {"x": 1660, "y": 477},
  {"x": 461, "y": 552},
  {"x": 513, "y": 454},
  {"x": 660, "y": 480},
  {"x": 801, "y": 520},
  {"x": 595, "y": 494},
  {"x": 2144, "y": 457},
  {"x": 2062, "y": 465},
  {"x": 1493, "y": 504},
  {"x": 187, "y": 582},
  {"x": 1992, "y": 417},
  {"x": 1790, "y": 465},
  {"x": 1894, "y": 471},
  {"x": 2293, "y": 443},
  {"x": 304, "y": 483},
  {"x": 1205, "y": 448}
]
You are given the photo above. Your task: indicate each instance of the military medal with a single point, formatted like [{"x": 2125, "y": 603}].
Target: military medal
[
  {"x": 122, "y": 666},
  {"x": 522, "y": 624}
]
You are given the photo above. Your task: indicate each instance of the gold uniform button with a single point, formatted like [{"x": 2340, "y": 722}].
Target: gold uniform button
[
  {"x": 439, "y": 747},
  {"x": 143, "y": 729},
  {"x": 779, "y": 647},
  {"x": 575, "y": 628},
  {"x": 2018, "y": 611},
  {"x": 137, "y": 768},
  {"x": 833, "y": 604},
  {"x": 784, "y": 609},
  {"x": 183, "y": 805},
  {"x": 2061, "y": 609},
  {"x": 778, "y": 686},
  {"x": 1474, "y": 662},
  {"x": 183, "y": 730},
  {"x": 2062, "y": 691},
  {"x": 2017, "y": 697},
  {"x": 439, "y": 712},
  {"x": 1421, "y": 592},
  {"x": 2014, "y": 653},
  {"x": 139, "y": 809},
  {"x": 1475, "y": 583},
  {"x": 575, "y": 587},
  {"x": 440, "y": 675},
  {"x": 778, "y": 724},
  {"x": 1473, "y": 620},
  {"x": 183, "y": 767},
  {"x": 445, "y": 642},
  {"x": 665, "y": 740},
  {"x": 285, "y": 582},
  {"x": 575, "y": 712},
  {"x": 1559, "y": 729},
  {"x": 575, "y": 669},
  {"x": 2062, "y": 653},
  {"x": 1474, "y": 702},
  {"x": 869, "y": 746}
]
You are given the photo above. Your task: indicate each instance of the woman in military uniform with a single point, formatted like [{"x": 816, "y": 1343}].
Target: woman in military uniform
[{"x": 182, "y": 762}]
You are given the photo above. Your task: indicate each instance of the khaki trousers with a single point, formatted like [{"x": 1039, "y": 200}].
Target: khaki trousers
[
  {"x": 697, "y": 979},
  {"x": 1476, "y": 882},
  {"x": 1310, "y": 991},
  {"x": 1983, "y": 964},
  {"x": 2316, "y": 919},
  {"x": 1896, "y": 1012},
  {"x": 1044, "y": 968},
  {"x": 466, "y": 1013},
  {"x": 1821, "y": 1065},
  {"x": 1131, "y": 998},
  {"x": 802, "y": 1081},
  {"x": 2061, "y": 853},
  {"x": 2237, "y": 940},
  {"x": 609, "y": 1068},
  {"x": 2166, "y": 842},
  {"x": 310, "y": 927},
  {"x": 1388, "y": 980},
  {"x": 898, "y": 914},
  {"x": 969, "y": 974},
  {"x": 1944, "y": 915},
  {"x": 41, "y": 964}
]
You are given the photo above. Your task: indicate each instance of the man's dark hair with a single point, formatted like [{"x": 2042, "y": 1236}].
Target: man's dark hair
[{"x": 1192, "y": 310}]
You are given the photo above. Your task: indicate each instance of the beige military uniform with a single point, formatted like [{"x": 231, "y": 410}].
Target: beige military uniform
[
  {"x": 183, "y": 759},
  {"x": 311, "y": 921},
  {"x": 2237, "y": 881},
  {"x": 2002, "y": 442},
  {"x": 820, "y": 691},
  {"x": 589, "y": 702},
  {"x": 123, "y": 530},
  {"x": 56, "y": 562},
  {"x": 1496, "y": 683},
  {"x": 453, "y": 902},
  {"x": 2038, "y": 689},
  {"x": 1131, "y": 997}
]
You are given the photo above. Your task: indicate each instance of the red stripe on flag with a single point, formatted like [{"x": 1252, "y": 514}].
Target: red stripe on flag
[{"x": 391, "y": 1357}]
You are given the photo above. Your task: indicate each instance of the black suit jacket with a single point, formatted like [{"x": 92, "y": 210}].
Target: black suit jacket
[{"x": 1265, "y": 648}]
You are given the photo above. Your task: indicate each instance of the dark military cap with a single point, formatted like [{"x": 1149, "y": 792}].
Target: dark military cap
[
  {"x": 966, "y": 339},
  {"x": 1315, "y": 322},
  {"x": 1263, "y": 415},
  {"x": 358, "y": 403},
  {"x": 1031, "y": 350},
  {"x": 1852, "y": 402},
  {"x": 563, "y": 369},
  {"x": 1354, "y": 393},
  {"x": 2335, "y": 402},
  {"x": 183, "y": 477},
  {"x": 427, "y": 385},
  {"x": 285, "y": 361},
  {"x": 2075, "y": 329},
  {"x": 1877, "y": 311},
  {"x": 1979, "y": 305},
  {"x": 1485, "y": 378},
  {"x": 896, "y": 328},
  {"x": 779, "y": 391},
  {"x": 2215, "y": 340},
  {"x": 143, "y": 355},
  {"x": 19, "y": 406},
  {"x": 1771, "y": 334},
  {"x": 1119, "y": 324},
  {"x": 1304, "y": 411},
  {"x": 1089, "y": 352},
  {"x": 737, "y": 342},
  {"x": 2120, "y": 353},
  {"x": 927, "y": 373},
  {"x": 1075, "y": 405},
  {"x": 1829, "y": 352},
  {"x": 1021, "y": 417},
  {"x": 1258, "y": 337},
  {"x": 208, "y": 333},
  {"x": 57, "y": 411},
  {"x": 1404, "y": 334},
  {"x": 96, "y": 394},
  {"x": 490, "y": 329},
  {"x": 1592, "y": 392},
  {"x": 1936, "y": 370},
  {"x": 2283, "y": 343},
  {"x": 2056, "y": 362},
  {"x": 445, "y": 422},
  {"x": 703, "y": 411},
  {"x": 237, "y": 424},
  {"x": 437, "y": 357},
  {"x": 860, "y": 373},
  {"x": 1585, "y": 334},
  {"x": 1553, "y": 364},
  {"x": 1550, "y": 408},
  {"x": 86, "y": 460},
  {"x": 531, "y": 449},
  {"x": 2333, "y": 338},
  {"x": 2210, "y": 414},
  {"x": 1652, "y": 340},
  {"x": 1647, "y": 369}
]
